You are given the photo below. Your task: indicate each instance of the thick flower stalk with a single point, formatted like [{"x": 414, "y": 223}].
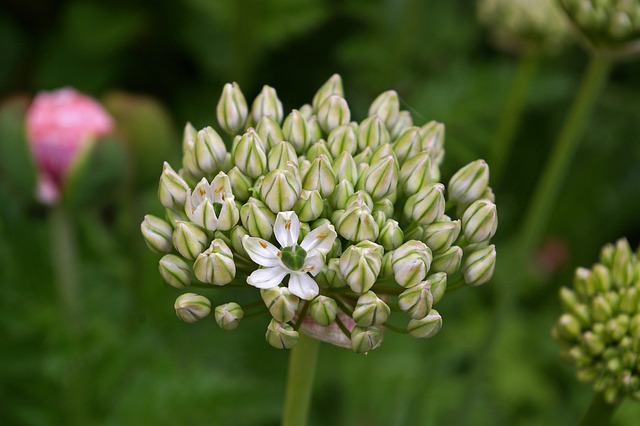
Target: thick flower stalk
[
  {"x": 599, "y": 330},
  {"x": 343, "y": 229}
]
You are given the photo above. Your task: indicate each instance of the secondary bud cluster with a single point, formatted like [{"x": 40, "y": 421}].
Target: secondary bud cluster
[
  {"x": 599, "y": 330},
  {"x": 607, "y": 26},
  {"x": 339, "y": 224}
]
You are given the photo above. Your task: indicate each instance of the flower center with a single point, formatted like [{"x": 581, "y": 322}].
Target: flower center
[{"x": 293, "y": 257}]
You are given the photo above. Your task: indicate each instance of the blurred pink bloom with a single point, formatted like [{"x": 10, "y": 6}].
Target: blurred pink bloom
[
  {"x": 59, "y": 124},
  {"x": 331, "y": 333}
]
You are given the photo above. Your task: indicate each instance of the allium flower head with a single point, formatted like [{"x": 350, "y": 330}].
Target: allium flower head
[
  {"x": 59, "y": 125},
  {"x": 599, "y": 330},
  {"x": 339, "y": 226}
]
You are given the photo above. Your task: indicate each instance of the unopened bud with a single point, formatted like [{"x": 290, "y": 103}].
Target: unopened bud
[
  {"x": 249, "y": 155},
  {"x": 309, "y": 205},
  {"x": 440, "y": 235},
  {"x": 296, "y": 131},
  {"x": 372, "y": 133},
  {"x": 480, "y": 221},
  {"x": 320, "y": 176},
  {"x": 437, "y": 286},
  {"x": 469, "y": 183},
  {"x": 403, "y": 122},
  {"x": 408, "y": 144},
  {"x": 345, "y": 168},
  {"x": 317, "y": 149},
  {"x": 323, "y": 310},
  {"x": 448, "y": 261},
  {"x": 228, "y": 316},
  {"x": 333, "y": 112},
  {"x": 157, "y": 234},
  {"x": 360, "y": 265},
  {"x": 175, "y": 271},
  {"x": 416, "y": 301},
  {"x": 215, "y": 265},
  {"x": 342, "y": 139},
  {"x": 387, "y": 107},
  {"x": 415, "y": 173},
  {"x": 257, "y": 219},
  {"x": 357, "y": 224},
  {"x": 189, "y": 239},
  {"x": 282, "y": 304},
  {"x": 391, "y": 235},
  {"x": 411, "y": 262},
  {"x": 622, "y": 265},
  {"x": 425, "y": 327},
  {"x": 433, "y": 141},
  {"x": 479, "y": 265},
  {"x": 269, "y": 131},
  {"x": 172, "y": 190},
  {"x": 209, "y": 151},
  {"x": 191, "y": 307},
  {"x": 333, "y": 86},
  {"x": 381, "y": 178},
  {"x": 341, "y": 194},
  {"x": 568, "y": 327},
  {"x": 281, "y": 335},
  {"x": 267, "y": 104},
  {"x": 365, "y": 339},
  {"x": 232, "y": 109},
  {"x": 237, "y": 234},
  {"x": 427, "y": 205},
  {"x": 280, "y": 190},
  {"x": 370, "y": 310},
  {"x": 240, "y": 184}
]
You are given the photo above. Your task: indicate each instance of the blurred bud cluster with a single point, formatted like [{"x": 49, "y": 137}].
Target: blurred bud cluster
[
  {"x": 600, "y": 329},
  {"x": 337, "y": 223},
  {"x": 524, "y": 25}
]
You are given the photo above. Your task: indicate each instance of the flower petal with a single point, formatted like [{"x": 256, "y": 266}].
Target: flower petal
[
  {"x": 320, "y": 239},
  {"x": 267, "y": 278},
  {"x": 303, "y": 286},
  {"x": 287, "y": 228},
  {"x": 262, "y": 252},
  {"x": 313, "y": 263}
]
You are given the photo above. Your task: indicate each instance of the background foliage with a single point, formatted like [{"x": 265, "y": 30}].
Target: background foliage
[{"x": 157, "y": 65}]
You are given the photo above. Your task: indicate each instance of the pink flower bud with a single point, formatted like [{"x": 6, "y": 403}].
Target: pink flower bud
[{"x": 59, "y": 124}]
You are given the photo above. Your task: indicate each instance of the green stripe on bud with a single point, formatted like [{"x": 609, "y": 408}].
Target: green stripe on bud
[
  {"x": 370, "y": 310},
  {"x": 408, "y": 144},
  {"x": 235, "y": 236},
  {"x": 240, "y": 184},
  {"x": 209, "y": 151},
  {"x": 360, "y": 265},
  {"x": 427, "y": 206},
  {"x": 341, "y": 194},
  {"x": 391, "y": 235},
  {"x": 469, "y": 183},
  {"x": 480, "y": 221},
  {"x": 215, "y": 265},
  {"x": 282, "y": 304},
  {"x": 343, "y": 139},
  {"x": 381, "y": 178},
  {"x": 425, "y": 327},
  {"x": 296, "y": 131},
  {"x": 433, "y": 142},
  {"x": 345, "y": 168},
  {"x": 479, "y": 265},
  {"x": 333, "y": 113},
  {"x": 320, "y": 176},
  {"x": 267, "y": 104},
  {"x": 403, "y": 122},
  {"x": 438, "y": 286},
  {"x": 440, "y": 235},
  {"x": 189, "y": 239},
  {"x": 175, "y": 271},
  {"x": 387, "y": 107},
  {"x": 228, "y": 316},
  {"x": 411, "y": 262},
  {"x": 280, "y": 155},
  {"x": 191, "y": 307},
  {"x": 157, "y": 234},
  {"x": 257, "y": 219},
  {"x": 333, "y": 86},
  {"x": 188, "y": 137},
  {"x": 416, "y": 301},
  {"x": 269, "y": 131},
  {"x": 281, "y": 335},
  {"x": 232, "y": 109},
  {"x": 415, "y": 173},
  {"x": 372, "y": 133},
  {"x": 622, "y": 269},
  {"x": 365, "y": 339},
  {"x": 317, "y": 149},
  {"x": 357, "y": 224},
  {"x": 172, "y": 190},
  {"x": 249, "y": 155},
  {"x": 449, "y": 261},
  {"x": 323, "y": 310},
  {"x": 309, "y": 205},
  {"x": 280, "y": 190}
]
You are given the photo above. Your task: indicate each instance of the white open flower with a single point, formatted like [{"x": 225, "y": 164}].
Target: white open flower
[
  {"x": 295, "y": 260},
  {"x": 212, "y": 205}
]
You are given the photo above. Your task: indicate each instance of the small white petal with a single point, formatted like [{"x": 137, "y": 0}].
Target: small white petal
[
  {"x": 262, "y": 252},
  {"x": 320, "y": 239},
  {"x": 220, "y": 188},
  {"x": 287, "y": 228},
  {"x": 200, "y": 192},
  {"x": 303, "y": 286},
  {"x": 267, "y": 278},
  {"x": 313, "y": 263}
]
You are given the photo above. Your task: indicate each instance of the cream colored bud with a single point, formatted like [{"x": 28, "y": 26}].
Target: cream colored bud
[
  {"x": 296, "y": 131},
  {"x": 280, "y": 190},
  {"x": 323, "y": 310},
  {"x": 189, "y": 239},
  {"x": 191, "y": 307},
  {"x": 232, "y": 109},
  {"x": 360, "y": 265},
  {"x": 387, "y": 107},
  {"x": 416, "y": 301},
  {"x": 365, "y": 339},
  {"x": 228, "y": 316},
  {"x": 381, "y": 178},
  {"x": 157, "y": 234},
  {"x": 403, "y": 122},
  {"x": 175, "y": 271},
  {"x": 448, "y": 261},
  {"x": 249, "y": 155},
  {"x": 440, "y": 235},
  {"x": 267, "y": 104},
  {"x": 372, "y": 133},
  {"x": 282, "y": 304},
  {"x": 269, "y": 131},
  {"x": 391, "y": 235},
  {"x": 415, "y": 173},
  {"x": 427, "y": 206},
  {"x": 309, "y": 205},
  {"x": 425, "y": 327},
  {"x": 257, "y": 219},
  {"x": 479, "y": 265},
  {"x": 216, "y": 264},
  {"x": 469, "y": 183},
  {"x": 172, "y": 190},
  {"x": 343, "y": 139},
  {"x": 240, "y": 184},
  {"x": 370, "y": 310},
  {"x": 333, "y": 86},
  {"x": 281, "y": 335}
]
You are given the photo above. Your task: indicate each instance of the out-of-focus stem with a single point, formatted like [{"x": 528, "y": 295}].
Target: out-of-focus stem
[
  {"x": 599, "y": 412},
  {"x": 302, "y": 370}
]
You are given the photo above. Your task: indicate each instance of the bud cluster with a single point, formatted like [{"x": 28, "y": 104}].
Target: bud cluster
[
  {"x": 609, "y": 26},
  {"x": 339, "y": 224},
  {"x": 524, "y": 25},
  {"x": 599, "y": 330}
]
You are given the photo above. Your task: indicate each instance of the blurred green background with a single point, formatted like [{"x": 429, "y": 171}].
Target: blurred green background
[{"x": 156, "y": 65}]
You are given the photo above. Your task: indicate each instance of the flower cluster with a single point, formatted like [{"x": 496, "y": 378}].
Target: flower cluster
[
  {"x": 524, "y": 25},
  {"x": 611, "y": 26},
  {"x": 600, "y": 329},
  {"x": 337, "y": 223}
]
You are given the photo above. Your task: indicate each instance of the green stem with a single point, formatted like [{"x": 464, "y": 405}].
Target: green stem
[
  {"x": 553, "y": 176},
  {"x": 512, "y": 115},
  {"x": 64, "y": 259},
  {"x": 599, "y": 412},
  {"x": 302, "y": 368}
]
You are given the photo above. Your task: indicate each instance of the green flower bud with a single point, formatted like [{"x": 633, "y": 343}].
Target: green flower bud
[
  {"x": 440, "y": 235},
  {"x": 357, "y": 224},
  {"x": 296, "y": 131},
  {"x": 372, "y": 133},
  {"x": 360, "y": 265},
  {"x": 315, "y": 131},
  {"x": 427, "y": 206},
  {"x": 480, "y": 221},
  {"x": 630, "y": 300},
  {"x": 411, "y": 262},
  {"x": 622, "y": 267},
  {"x": 269, "y": 132},
  {"x": 387, "y": 107},
  {"x": 403, "y": 122},
  {"x": 232, "y": 109},
  {"x": 333, "y": 112},
  {"x": 360, "y": 198},
  {"x": 479, "y": 265},
  {"x": 236, "y": 235},
  {"x": 323, "y": 310},
  {"x": 433, "y": 141},
  {"x": 175, "y": 271},
  {"x": 172, "y": 190},
  {"x": 583, "y": 282},
  {"x": 215, "y": 265},
  {"x": 157, "y": 234},
  {"x": 257, "y": 219},
  {"x": 228, "y": 316},
  {"x": 345, "y": 168},
  {"x": 331, "y": 274},
  {"x": 317, "y": 149},
  {"x": 370, "y": 310},
  {"x": 212, "y": 205},
  {"x": 320, "y": 176},
  {"x": 415, "y": 173},
  {"x": 333, "y": 86},
  {"x": 309, "y": 205},
  {"x": 469, "y": 183},
  {"x": 307, "y": 111},
  {"x": 365, "y": 339},
  {"x": 438, "y": 286},
  {"x": 601, "y": 279},
  {"x": 341, "y": 194},
  {"x": 425, "y": 327},
  {"x": 281, "y": 153},
  {"x": 601, "y": 309},
  {"x": 240, "y": 184},
  {"x": 381, "y": 178},
  {"x": 189, "y": 239},
  {"x": 249, "y": 155},
  {"x": 408, "y": 144},
  {"x": 593, "y": 343},
  {"x": 571, "y": 303},
  {"x": 343, "y": 139},
  {"x": 391, "y": 235},
  {"x": 280, "y": 190},
  {"x": 209, "y": 151},
  {"x": 267, "y": 104},
  {"x": 416, "y": 301},
  {"x": 191, "y": 307},
  {"x": 189, "y": 135},
  {"x": 362, "y": 161},
  {"x": 568, "y": 327},
  {"x": 281, "y": 335},
  {"x": 448, "y": 261},
  {"x": 282, "y": 304},
  {"x": 385, "y": 206},
  {"x": 618, "y": 327}
]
